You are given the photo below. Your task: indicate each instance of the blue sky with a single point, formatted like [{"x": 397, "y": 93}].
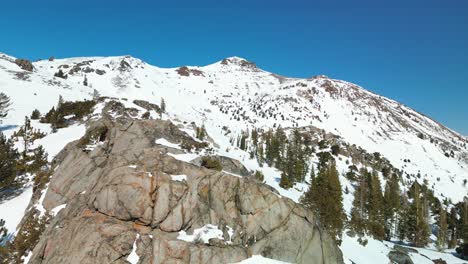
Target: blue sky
[{"x": 415, "y": 52}]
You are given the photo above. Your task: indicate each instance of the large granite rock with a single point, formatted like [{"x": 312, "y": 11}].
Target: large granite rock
[{"x": 122, "y": 192}]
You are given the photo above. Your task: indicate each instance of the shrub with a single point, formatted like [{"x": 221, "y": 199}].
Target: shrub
[
  {"x": 335, "y": 149},
  {"x": 259, "y": 176},
  {"x": 60, "y": 74},
  {"x": 146, "y": 115},
  {"x": 420, "y": 135},
  {"x": 211, "y": 163},
  {"x": 192, "y": 144}
]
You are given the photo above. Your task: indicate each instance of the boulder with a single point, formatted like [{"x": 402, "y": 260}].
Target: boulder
[{"x": 399, "y": 257}]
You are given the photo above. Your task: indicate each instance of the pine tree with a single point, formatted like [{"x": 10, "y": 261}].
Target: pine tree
[
  {"x": 404, "y": 218},
  {"x": 443, "y": 229},
  {"x": 4, "y": 106},
  {"x": 391, "y": 204},
  {"x": 3, "y": 241},
  {"x": 35, "y": 115},
  {"x": 96, "y": 95},
  {"x": 3, "y": 231},
  {"x": 163, "y": 105},
  {"x": 201, "y": 132},
  {"x": 285, "y": 182},
  {"x": 8, "y": 160},
  {"x": 376, "y": 216},
  {"x": 60, "y": 102},
  {"x": 418, "y": 227},
  {"x": 325, "y": 198},
  {"x": 260, "y": 154},
  {"x": 452, "y": 226},
  {"x": 254, "y": 135},
  {"x": 243, "y": 141},
  {"x": 358, "y": 211}
]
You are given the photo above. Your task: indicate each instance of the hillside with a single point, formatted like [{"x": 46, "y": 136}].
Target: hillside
[{"x": 233, "y": 96}]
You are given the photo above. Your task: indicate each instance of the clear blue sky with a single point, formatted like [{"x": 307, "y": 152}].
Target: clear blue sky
[{"x": 415, "y": 52}]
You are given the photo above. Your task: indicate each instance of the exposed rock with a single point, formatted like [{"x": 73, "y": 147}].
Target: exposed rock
[
  {"x": 148, "y": 106},
  {"x": 100, "y": 72},
  {"x": 24, "y": 64},
  {"x": 399, "y": 257},
  {"x": 404, "y": 249},
  {"x": 122, "y": 191},
  {"x": 185, "y": 71}
]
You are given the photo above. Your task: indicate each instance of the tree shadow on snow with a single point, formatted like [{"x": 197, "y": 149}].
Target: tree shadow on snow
[{"x": 7, "y": 127}]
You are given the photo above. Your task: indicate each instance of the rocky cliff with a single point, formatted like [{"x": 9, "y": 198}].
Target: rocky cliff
[{"x": 116, "y": 193}]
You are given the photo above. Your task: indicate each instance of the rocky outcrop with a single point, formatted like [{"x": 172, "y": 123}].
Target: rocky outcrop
[
  {"x": 123, "y": 191},
  {"x": 24, "y": 64},
  {"x": 400, "y": 254}
]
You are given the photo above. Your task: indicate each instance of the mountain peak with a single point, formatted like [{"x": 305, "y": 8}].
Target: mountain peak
[{"x": 238, "y": 61}]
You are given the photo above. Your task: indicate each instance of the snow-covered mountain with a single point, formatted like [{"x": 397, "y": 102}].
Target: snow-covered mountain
[{"x": 235, "y": 94}]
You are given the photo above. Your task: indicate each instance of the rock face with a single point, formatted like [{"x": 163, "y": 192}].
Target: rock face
[{"x": 122, "y": 192}]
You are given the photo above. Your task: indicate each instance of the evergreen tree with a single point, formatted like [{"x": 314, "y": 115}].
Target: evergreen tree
[
  {"x": 443, "y": 229},
  {"x": 8, "y": 160},
  {"x": 35, "y": 115},
  {"x": 418, "y": 232},
  {"x": 163, "y": 105},
  {"x": 376, "y": 207},
  {"x": 325, "y": 198},
  {"x": 452, "y": 222},
  {"x": 285, "y": 181},
  {"x": 60, "y": 102},
  {"x": 254, "y": 136},
  {"x": 243, "y": 141},
  {"x": 260, "y": 154},
  {"x": 26, "y": 132},
  {"x": 358, "y": 211},
  {"x": 3, "y": 241},
  {"x": 404, "y": 219},
  {"x": 201, "y": 132},
  {"x": 96, "y": 95},
  {"x": 4, "y": 106},
  {"x": 3, "y": 232},
  {"x": 391, "y": 204}
]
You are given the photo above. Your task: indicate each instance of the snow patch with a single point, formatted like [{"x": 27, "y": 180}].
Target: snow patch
[
  {"x": 181, "y": 177},
  {"x": 164, "y": 142},
  {"x": 57, "y": 209},
  {"x": 202, "y": 234},
  {"x": 258, "y": 259},
  {"x": 133, "y": 258}
]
